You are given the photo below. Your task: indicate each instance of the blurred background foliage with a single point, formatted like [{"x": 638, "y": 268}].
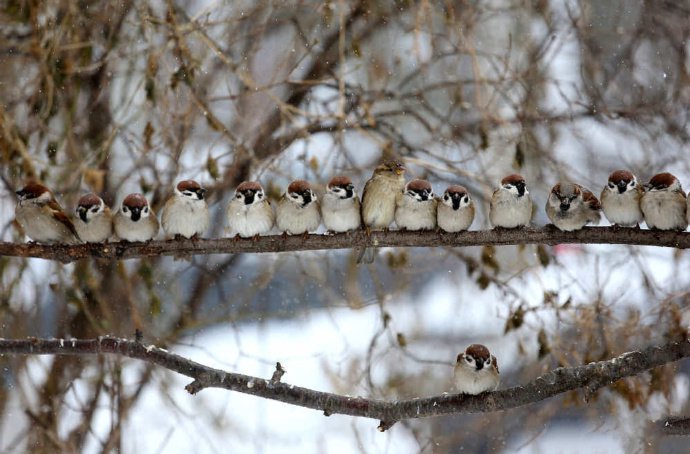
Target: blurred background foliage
[{"x": 121, "y": 96}]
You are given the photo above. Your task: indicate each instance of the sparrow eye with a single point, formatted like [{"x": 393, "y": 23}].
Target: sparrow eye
[
  {"x": 294, "y": 196},
  {"x": 125, "y": 209},
  {"x": 487, "y": 361},
  {"x": 632, "y": 184},
  {"x": 466, "y": 199},
  {"x": 94, "y": 210},
  {"x": 259, "y": 195},
  {"x": 146, "y": 209},
  {"x": 445, "y": 197},
  {"x": 469, "y": 359},
  {"x": 611, "y": 185}
]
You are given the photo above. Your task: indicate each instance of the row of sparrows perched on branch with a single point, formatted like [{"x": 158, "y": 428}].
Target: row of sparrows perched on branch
[{"x": 386, "y": 198}]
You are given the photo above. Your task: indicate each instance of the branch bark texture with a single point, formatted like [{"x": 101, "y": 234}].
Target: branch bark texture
[
  {"x": 280, "y": 243},
  {"x": 589, "y": 377}
]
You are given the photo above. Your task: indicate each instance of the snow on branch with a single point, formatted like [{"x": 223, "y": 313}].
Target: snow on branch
[
  {"x": 589, "y": 377},
  {"x": 281, "y": 243}
]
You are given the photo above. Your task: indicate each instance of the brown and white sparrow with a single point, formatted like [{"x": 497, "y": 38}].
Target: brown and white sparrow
[
  {"x": 42, "y": 217},
  {"x": 416, "y": 209},
  {"x": 93, "y": 220},
  {"x": 570, "y": 206},
  {"x": 340, "y": 207},
  {"x": 476, "y": 371},
  {"x": 185, "y": 213},
  {"x": 135, "y": 220},
  {"x": 379, "y": 200},
  {"x": 249, "y": 213},
  {"x": 456, "y": 209},
  {"x": 298, "y": 209},
  {"x": 664, "y": 203},
  {"x": 620, "y": 199},
  {"x": 511, "y": 205}
]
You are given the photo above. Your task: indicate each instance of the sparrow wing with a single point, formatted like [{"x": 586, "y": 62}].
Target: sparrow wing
[
  {"x": 590, "y": 199},
  {"x": 60, "y": 216}
]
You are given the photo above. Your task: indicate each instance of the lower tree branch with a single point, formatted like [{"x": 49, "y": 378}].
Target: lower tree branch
[
  {"x": 674, "y": 426},
  {"x": 590, "y": 376},
  {"x": 280, "y": 243}
]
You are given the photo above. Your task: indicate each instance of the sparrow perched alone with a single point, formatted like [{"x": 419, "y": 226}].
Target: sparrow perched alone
[
  {"x": 416, "y": 209},
  {"x": 620, "y": 199},
  {"x": 663, "y": 203},
  {"x": 379, "y": 200},
  {"x": 456, "y": 210},
  {"x": 511, "y": 205},
  {"x": 250, "y": 213},
  {"x": 298, "y": 210},
  {"x": 185, "y": 213},
  {"x": 340, "y": 207},
  {"x": 476, "y": 371},
  {"x": 570, "y": 206},
  {"x": 135, "y": 220},
  {"x": 42, "y": 218},
  {"x": 93, "y": 220}
]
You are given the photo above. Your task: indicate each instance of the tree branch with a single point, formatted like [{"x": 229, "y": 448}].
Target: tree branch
[
  {"x": 280, "y": 243},
  {"x": 591, "y": 377},
  {"x": 674, "y": 426}
]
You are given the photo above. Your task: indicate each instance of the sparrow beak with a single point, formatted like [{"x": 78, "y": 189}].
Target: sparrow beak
[
  {"x": 248, "y": 198},
  {"x": 565, "y": 206},
  {"x": 200, "y": 193},
  {"x": 456, "y": 202},
  {"x": 399, "y": 170},
  {"x": 306, "y": 198},
  {"x": 480, "y": 365},
  {"x": 349, "y": 192},
  {"x": 622, "y": 186},
  {"x": 20, "y": 194},
  {"x": 136, "y": 214}
]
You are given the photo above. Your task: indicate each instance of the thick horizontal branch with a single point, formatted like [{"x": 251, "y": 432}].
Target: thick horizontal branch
[
  {"x": 590, "y": 377},
  {"x": 280, "y": 243}
]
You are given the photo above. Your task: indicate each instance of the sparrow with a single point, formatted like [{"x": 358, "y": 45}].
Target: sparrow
[
  {"x": 620, "y": 199},
  {"x": 298, "y": 209},
  {"x": 456, "y": 210},
  {"x": 250, "y": 213},
  {"x": 185, "y": 213},
  {"x": 570, "y": 206},
  {"x": 135, "y": 220},
  {"x": 416, "y": 209},
  {"x": 511, "y": 205},
  {"x": 42, "y": 218},
  {"x": 340, "y": 207},
  {"x": 476, "y": 371},
  {"x": 93, "y": 220},
  {"x": 664, "y": 203},
  {"x": 379, "y": 199}
]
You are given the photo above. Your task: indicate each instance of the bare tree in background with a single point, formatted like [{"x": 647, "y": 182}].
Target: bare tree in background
[{"x": 118, "y": 97}]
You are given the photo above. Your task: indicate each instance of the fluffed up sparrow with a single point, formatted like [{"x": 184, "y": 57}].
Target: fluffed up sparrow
[{"x": 42, "y": 217}]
